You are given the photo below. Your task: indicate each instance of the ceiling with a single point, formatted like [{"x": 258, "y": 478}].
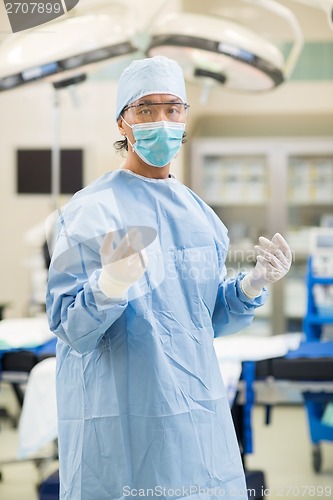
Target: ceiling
[
  {"x": 316, "y": 58},
  {"x": 313, "y": 21}
]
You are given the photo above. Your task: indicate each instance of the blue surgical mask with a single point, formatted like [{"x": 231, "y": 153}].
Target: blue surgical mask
[{"x": 157, "y": 143}]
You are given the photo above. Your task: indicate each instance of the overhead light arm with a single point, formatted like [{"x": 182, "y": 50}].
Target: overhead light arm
[
  {"x": 325, "y": 5},
  {"x": 282, "y": 11}
]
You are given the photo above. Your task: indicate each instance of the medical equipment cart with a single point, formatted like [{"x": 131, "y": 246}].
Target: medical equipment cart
[{"x": 316, "y": 318}]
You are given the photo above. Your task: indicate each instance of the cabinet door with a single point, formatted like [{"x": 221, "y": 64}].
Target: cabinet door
[
  {"x": 236, "y": 185},
  {"x": 231, "y": 180}
]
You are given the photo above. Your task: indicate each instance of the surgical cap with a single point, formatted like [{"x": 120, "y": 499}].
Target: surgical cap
[{"x": 155, "y": 75}]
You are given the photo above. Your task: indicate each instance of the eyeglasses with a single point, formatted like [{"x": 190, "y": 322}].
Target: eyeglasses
[{"x": 153, "y": 111}]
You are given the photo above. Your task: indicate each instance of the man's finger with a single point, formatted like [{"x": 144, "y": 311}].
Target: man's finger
[{"x": 279, "y": 240}]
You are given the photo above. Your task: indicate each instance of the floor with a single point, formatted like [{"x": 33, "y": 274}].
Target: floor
[{"x": 282, "y": 450}]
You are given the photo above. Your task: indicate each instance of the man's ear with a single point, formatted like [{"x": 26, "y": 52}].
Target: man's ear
[{"x": 120, "y": 126}]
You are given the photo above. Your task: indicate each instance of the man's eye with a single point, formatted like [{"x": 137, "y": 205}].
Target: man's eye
[{"x": 145, "y": 111}]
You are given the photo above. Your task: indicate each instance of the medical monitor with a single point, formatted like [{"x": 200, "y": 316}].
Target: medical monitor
[
  {"x": 321, "y": 241},
  {"x": 33, "y": 171}
]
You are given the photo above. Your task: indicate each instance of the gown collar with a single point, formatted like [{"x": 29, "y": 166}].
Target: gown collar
[{"x": 171, "y": 177}]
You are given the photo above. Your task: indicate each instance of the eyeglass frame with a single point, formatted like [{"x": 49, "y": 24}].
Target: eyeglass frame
[{"x": 185, "y": 104}]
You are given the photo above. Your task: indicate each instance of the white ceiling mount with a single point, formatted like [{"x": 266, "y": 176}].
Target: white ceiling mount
[
  {"x": 325, "y": 5},
  {"x": 62, "y": 49},
  {"x": 214, "y": 50},
  {"x": 298, "y": 40}
]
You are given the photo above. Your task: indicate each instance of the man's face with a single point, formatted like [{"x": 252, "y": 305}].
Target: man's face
[{"x": 152, "y": 108}]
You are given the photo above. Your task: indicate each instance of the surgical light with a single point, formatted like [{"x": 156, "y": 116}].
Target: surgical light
[
  {"x": 216, "y": 50},
  {"x": 62, "y": 49}
]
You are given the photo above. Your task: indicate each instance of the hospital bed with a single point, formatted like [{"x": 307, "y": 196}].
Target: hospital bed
[
  {"x": 309, "y": 367},
  {"x": 231, "y": 352},
  {"x": 38, "y": 422},
  {"x": 246, "y": 361},
  {"x": 24, "y": 343}
]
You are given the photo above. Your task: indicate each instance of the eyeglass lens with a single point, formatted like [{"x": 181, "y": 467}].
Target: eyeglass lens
[{"x": 149, "y": 112}]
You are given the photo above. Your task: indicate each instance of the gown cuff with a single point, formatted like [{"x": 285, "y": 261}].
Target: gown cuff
[
  {"x": 111, "y": 288},
  {"x": 248, "y": 289}
]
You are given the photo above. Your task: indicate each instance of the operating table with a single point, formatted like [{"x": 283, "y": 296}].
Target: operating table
[{"x": 310, "y": 370}]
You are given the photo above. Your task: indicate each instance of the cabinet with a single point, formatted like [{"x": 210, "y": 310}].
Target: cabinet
[{"x": 260, "y": 187}]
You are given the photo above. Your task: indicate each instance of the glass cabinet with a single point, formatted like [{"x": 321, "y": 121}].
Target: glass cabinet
[{"x": 260, "y": 187}]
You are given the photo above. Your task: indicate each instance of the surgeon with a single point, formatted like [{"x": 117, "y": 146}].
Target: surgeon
[{"x": 137, "y": 292}]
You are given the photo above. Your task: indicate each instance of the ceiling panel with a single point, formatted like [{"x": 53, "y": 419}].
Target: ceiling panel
[{"x": 313, "y": 21}]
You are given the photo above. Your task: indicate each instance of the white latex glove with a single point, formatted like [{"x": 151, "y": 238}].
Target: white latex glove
[
  {"x": 273, "y": 262},
  {"x": 123, "y": 266}
]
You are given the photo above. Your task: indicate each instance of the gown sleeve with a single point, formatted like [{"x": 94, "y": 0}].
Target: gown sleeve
[
  {"x": 78, "y": 311},
  {"x": 233, "y": 309}
]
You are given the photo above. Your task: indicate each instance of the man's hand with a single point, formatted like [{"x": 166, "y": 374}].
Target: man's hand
[
  {"x": 122, "y": 266},
  {"x": 273, "y": 262}
]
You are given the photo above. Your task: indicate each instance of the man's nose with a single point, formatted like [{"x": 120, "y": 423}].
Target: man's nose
[{"x": 161, "y": 114}]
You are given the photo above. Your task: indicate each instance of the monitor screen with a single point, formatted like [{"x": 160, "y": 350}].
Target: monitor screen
[
  {"x": 325, "y": 241},
  {"x": 33, "y": 175}
]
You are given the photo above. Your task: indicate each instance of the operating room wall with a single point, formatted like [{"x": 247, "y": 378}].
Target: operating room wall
[
  {"x": 295, "y": 109},
  {"x": 315, "y": 125},
  {"x": 299, "y": 100}
]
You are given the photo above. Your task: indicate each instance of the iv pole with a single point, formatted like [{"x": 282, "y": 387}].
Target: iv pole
[
  {"x": 56, "y": 156},
  {"x": 55, "y": 152}
]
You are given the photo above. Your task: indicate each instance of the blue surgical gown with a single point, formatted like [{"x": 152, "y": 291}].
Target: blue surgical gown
[{"x": 141, "y": 404}]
